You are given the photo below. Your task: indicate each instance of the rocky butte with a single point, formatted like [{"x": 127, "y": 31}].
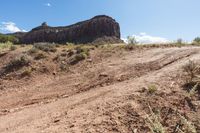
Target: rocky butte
[{"x": 100, "y": 28}]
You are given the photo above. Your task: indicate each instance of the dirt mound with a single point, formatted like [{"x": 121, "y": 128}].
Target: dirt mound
[{"x": 112, "y": 89}]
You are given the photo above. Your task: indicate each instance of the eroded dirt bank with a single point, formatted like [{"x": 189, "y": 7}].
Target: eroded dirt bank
[{"x": 107, "y": 92}]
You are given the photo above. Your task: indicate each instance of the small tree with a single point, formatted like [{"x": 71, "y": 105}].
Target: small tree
[
  {"x": 131, "y": 40},
  {"x": 197, "y": 39},
  {"x": 179, "y": 41}
]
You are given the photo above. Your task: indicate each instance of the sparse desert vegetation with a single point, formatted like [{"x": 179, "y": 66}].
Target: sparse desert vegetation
[
  {"x": 8, "y": 38},
  {"x": 5, "y": 45},
  {"x": 46, "y": 47},
  {"x": 17, "y": 63}
]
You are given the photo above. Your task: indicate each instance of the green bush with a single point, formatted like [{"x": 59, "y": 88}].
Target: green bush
[
  {"x": 179, "y": 41},
  {"x": 197, "y": 40},
  {"x": 5, "y": 45},
  {"x": 78, "y": 54},
  {"x": 8, "y": 38},
  {"x": 131, "y": 40},
  {"x": 27, "y": 72},
  {"x": 152, "y": 89}
]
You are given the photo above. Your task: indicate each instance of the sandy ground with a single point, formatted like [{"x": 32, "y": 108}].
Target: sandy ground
[{"x": 103, "y": 95}]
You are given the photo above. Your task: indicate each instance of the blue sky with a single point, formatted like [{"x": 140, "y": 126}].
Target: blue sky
[{"x": 169, "y": 19}]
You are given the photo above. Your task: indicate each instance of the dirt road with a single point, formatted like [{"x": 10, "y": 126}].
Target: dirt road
[{"x": 100, "y": 96}]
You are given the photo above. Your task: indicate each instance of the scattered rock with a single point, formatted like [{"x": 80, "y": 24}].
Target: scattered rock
[
  {"x": 56, "y": 120},
  {"x": 103, "y": 75},
  {"x": 3, "y": 53},
  {"x": 5, "y": 111},
  {"x": 71, "y": 126},
  {"x": 89, "y": 60},
  {"x": 54, "y": 73}
]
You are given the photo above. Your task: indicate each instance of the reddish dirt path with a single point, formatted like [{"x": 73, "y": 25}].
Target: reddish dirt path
[{"x": 91, "y": 99}]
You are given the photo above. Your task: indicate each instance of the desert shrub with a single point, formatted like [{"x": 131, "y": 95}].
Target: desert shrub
[
  {"x": 179, "y": 41},
  {"x": 72, "y": 56},
  {"x": 96, "y": 45},
  {"x": 40, "y": 55},
  {"x": 129, "y": 47},
  {"x": 8, "y": 38},
  {"x": 57, "y": 58},
  {"x": 57, "y": 45},
  {"x": 64, "y": 54},
  {"x": 17, "y": 63},
  {"x": 78, "y": 54},
  {"x": 154, "y": 122},
  {"x": 27, "y": 72},
  {"x": 188, "y": 126},
  {"x": 12, "y": 48},
  {"x": 46, "y": 47},
  {"x": 195, "y": 43},
  {"x": 76, "y": 58},
  {"x": 64, "y": 67},
  {"x": 192, "y": 70},
  {"x": 131, "y": 40},
  {"x": 152, "y": 89},
  {"x": 82, "y": 49},
  {"x": 70, "y": 52},
  {"x": 70, "y": 44},
  {"x": 33, "y": 50},
  {"x": 5, "y": 45},
  {"x": 192, "y": 91}
]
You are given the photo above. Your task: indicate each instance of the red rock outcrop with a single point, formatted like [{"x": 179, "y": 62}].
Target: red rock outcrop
[{"x": 82, "y": 32}]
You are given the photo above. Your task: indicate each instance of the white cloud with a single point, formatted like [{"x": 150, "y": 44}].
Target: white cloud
[
  {"x": 144, "y": 38},
  {"x": 10, "y": 27},
  {"x": 48, "y": 4}
]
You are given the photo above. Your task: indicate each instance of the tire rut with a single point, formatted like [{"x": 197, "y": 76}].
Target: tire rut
[{"x": 134, "y": 71}]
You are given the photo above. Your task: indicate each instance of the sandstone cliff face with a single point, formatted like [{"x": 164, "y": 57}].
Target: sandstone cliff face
[{"x": 82, "y": 32}]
